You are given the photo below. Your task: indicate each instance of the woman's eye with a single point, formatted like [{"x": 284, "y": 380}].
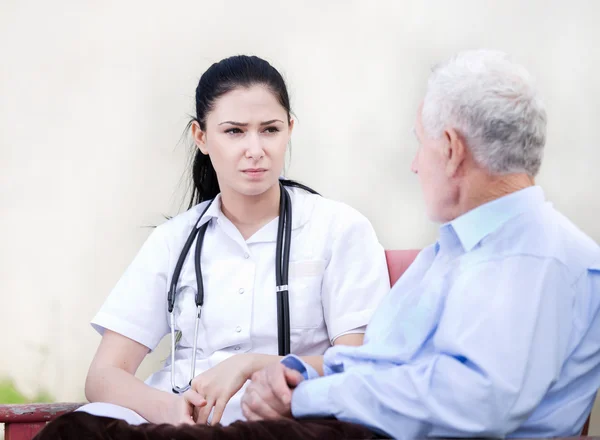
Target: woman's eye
[
  {"x": 271, "y": 129},
  {"x": 233, "y": 131}
]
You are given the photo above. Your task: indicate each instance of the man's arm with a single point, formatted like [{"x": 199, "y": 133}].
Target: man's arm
[{"x": 498, "y": 348}]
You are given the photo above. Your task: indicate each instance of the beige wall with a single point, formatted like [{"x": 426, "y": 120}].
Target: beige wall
[{"x": 94, "y": 96}]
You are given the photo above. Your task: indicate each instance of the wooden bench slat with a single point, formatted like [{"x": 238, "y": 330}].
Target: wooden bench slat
[
  {"x": 22, "y": 431},
  {"x": 33, "y": 413}
]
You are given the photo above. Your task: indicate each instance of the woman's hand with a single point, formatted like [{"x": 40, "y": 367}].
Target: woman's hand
[
  {"x": 180, "y": 409},
  {"x": 220, "y": 383}
]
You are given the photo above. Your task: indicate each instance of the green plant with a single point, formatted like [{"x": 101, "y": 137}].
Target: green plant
[{"x": 10, "y": 394}]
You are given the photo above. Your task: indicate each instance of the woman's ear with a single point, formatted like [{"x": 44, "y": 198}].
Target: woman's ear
[
  {"x": 291, "y": 128},
  {"x": 199, "y": 137}
]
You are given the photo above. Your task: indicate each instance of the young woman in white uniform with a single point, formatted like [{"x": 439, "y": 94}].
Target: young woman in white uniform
[{"x": 337, "y": 268}]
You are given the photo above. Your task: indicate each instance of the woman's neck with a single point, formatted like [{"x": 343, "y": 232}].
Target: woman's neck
[{"x": 250, "y": 213}]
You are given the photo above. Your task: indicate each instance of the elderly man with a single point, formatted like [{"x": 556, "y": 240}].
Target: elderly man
[{"x": 494, "y": 329}]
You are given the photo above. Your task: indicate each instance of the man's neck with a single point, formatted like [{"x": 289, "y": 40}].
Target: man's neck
[
  {"x": 484, "y": 188},
  {"x": 250, "y": 213}
]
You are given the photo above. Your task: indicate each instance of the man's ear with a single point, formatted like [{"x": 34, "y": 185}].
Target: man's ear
[{"x": 455, "y": 151}]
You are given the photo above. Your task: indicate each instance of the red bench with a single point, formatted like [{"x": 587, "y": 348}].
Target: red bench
[{"x": 23, "y": 422}]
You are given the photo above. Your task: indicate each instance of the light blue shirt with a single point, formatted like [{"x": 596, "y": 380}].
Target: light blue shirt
[{"x": 493, "y": 331}]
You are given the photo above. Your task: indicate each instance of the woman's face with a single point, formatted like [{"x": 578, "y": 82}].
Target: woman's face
[{"x": 246, "y": 136}]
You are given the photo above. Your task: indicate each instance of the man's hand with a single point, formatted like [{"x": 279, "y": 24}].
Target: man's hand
[{"x": 269, "y": 395}]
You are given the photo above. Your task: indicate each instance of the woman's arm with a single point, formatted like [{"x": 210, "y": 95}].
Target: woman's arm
[
  {"x": 221, "y": 382},
  {"x": 111, "y": 379},
  {"x": 256, "y": 362}
]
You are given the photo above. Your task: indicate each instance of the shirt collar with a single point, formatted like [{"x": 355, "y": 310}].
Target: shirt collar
[
  {"x": 213, "y": 211},
  {"x": 475, "y": 225},
  {"x": 301, "y": 209}
]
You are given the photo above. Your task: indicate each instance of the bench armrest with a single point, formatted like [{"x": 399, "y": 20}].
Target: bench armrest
[{"x": 35, "y": 412}]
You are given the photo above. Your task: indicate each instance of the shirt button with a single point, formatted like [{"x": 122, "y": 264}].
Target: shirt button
[
  {"x": 237, "y": 347},
  {"x": 241, "y": 290},
  {"x": 246, "y": 256},
  {"x": 238, "y": 329}
]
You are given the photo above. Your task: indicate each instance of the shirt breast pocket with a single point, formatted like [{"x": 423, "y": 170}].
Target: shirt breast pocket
[{"x": 306, "y": 308}]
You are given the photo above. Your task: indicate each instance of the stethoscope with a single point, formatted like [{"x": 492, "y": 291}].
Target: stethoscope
[{"x": 282, "y": 263}]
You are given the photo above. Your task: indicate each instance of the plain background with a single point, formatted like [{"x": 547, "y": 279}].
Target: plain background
[{"x": 94, "y": 97}]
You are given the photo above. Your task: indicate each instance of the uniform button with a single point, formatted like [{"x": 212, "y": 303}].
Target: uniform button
[
  {"x": 241, "y": 291},
  {"x": 237, "y": 347},
  {"x": 246, "y": 256},
  {"x": 238, "y": 329}
]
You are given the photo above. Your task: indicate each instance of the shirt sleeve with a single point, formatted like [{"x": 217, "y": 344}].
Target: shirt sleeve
[
  {"x": 137, "y": 306},
  {"x": 490, "y": 366},
  {"x": 356, "y": 277},
  {"x": 295, "y": 363}
]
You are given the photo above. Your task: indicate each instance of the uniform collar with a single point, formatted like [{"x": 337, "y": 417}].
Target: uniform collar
[
  {"x": 302, "y": 206},
  {"x": 475, "y": 225},
  {"x": 213, "y": 211}
]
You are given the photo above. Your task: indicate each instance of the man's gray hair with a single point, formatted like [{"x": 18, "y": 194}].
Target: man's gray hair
[{"x": 493, "y": 103}]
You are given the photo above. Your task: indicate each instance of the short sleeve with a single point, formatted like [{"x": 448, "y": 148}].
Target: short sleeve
[
  {"x": 356, "y": 277},
  {"x": 136, "y": 307}
]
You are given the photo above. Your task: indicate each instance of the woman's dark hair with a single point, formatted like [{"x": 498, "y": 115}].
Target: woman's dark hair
[{"x": 220, "y": 78}]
